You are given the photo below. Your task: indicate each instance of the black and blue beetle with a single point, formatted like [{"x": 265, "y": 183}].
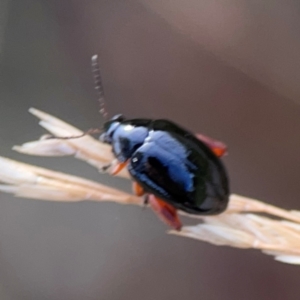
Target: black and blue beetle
[{"x": 174, "y": 168}]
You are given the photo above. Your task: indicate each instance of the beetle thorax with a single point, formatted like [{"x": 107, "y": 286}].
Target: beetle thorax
[{"x": 125, "y": 139}]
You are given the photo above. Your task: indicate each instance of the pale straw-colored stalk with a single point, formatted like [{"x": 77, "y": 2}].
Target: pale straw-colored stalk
[{"x": 242, "y": 225}]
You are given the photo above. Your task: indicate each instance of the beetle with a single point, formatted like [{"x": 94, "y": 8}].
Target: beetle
[{"x": 172, "y": 167}]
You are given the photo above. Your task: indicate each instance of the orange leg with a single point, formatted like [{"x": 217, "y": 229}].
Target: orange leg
[
  {"x": 137, "y": 189},
  {"x": 166, "y": 212},
  {"x": 118, "y": 168},
  {"x": 218, "y": 148}
]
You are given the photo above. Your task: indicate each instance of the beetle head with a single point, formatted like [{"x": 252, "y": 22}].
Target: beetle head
[{"x": 110, "y": 127}]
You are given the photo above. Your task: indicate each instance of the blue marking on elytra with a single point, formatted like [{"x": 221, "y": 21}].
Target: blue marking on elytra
[{"x": 170, "y": 157}]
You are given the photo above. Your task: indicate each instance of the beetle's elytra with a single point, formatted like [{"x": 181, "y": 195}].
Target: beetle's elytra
[{"x": 174, "y": 168}]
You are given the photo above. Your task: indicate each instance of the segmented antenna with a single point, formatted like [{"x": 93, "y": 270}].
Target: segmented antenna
[{"x": 99, "y": 86}]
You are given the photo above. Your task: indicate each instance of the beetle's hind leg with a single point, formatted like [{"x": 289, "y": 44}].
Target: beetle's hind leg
[
  {"x": 166, "y": 212},
  {"x": 217, "y": 147}
]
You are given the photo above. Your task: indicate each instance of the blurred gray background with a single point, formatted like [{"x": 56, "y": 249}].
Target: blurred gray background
[{"x": 229, "y": 69}]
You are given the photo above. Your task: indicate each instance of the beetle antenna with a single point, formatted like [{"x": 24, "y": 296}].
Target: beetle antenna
[
  {"x": 99, "y": 86},
  {"x": 71, "y": 137}
]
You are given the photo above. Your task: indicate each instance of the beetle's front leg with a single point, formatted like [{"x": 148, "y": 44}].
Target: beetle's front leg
[
  {"x": 118, "y": 167},
  {"x": 114, "y": 167},
  {"x": 104, "y": 168}
]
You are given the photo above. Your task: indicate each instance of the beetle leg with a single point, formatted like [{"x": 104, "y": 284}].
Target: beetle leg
[
  {"x": 217, "y": 147},
  {"x": 137, "y": 189},
  {"x": 146, "y": 200},
  {"x": 166, "y": 212},
  {"x": 118, "y": 168},
  {"x": 105, "y": 167}
]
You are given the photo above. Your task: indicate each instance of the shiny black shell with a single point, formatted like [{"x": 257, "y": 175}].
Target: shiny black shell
[{"x": 171, "y": 163}]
